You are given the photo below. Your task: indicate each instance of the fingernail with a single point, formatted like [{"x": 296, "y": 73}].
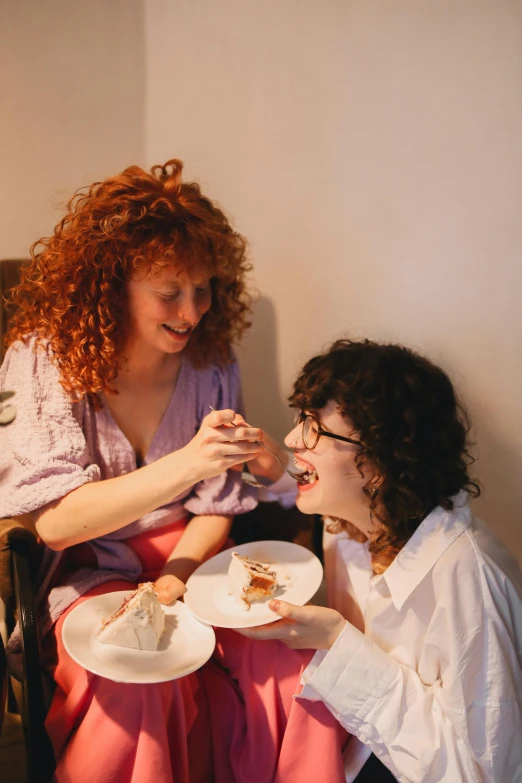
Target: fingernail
[{"x": 274, "y": 606}]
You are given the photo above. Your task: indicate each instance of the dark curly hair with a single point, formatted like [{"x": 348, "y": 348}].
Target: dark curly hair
[
  {"x": 73, "y": 292},
  {"x": 412, "y": 427}
]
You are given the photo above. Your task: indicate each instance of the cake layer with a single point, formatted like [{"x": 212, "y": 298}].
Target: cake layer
[
  {"x": 250, "y": 580},
  {"x": 138, "y": 623}
]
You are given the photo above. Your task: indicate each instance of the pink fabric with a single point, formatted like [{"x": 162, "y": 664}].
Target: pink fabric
[
  {"x": 260, "y": 733},
  {"x": 112, "y": 732},
  {"x": 234, "y": 721}
]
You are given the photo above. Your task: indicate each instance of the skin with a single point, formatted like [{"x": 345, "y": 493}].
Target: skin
[
  {"x": 149, "y": 369},
  {"x": 339, "y": 493}
]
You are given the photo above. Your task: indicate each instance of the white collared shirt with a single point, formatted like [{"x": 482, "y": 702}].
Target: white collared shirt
[{"x": 433, "y": 685}]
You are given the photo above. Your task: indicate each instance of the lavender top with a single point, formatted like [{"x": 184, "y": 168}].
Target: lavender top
[{"x": 55, "y": 445}]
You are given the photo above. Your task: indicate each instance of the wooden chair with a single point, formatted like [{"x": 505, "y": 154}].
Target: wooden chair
[
  {"x": 20, "y": 555},
  {"x": 3, "y": 682}
]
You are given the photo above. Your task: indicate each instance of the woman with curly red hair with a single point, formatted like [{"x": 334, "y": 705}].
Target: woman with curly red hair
[
  {"x": 419, "y": 653},
  {"x": 121, "y": 340}
]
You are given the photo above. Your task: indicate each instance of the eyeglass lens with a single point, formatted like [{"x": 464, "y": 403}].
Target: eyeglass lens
[{"x": 310, "y": 432}]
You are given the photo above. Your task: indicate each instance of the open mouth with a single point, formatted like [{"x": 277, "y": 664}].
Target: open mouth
[
  {"x": 308, "y": 475},
  {"x": 179, "y": 332}
]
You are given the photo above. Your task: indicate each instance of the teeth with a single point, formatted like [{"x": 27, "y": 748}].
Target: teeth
[
  {"x": 177, "y": 331},
  {"x": 308, "y": 476}
]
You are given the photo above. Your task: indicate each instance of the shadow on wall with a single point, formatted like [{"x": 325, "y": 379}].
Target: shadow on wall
[
  {"x": 498, "y": 469},
  {"x": 265, "y": 402}
]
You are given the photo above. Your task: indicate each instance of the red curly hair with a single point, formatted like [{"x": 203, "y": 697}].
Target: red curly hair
[{"x": 73, "y": 292}]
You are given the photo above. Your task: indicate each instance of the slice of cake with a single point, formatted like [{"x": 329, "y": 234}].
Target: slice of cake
[
  {"x": 138, "y": 623},
  {"x": 249, "y": 580}
]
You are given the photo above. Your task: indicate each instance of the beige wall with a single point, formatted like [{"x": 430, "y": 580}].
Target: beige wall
[
  {"x": 72, "y": 97},
  {"x": 371, "y": 152}
]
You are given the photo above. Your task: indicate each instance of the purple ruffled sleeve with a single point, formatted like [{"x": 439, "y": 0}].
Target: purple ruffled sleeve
[
  {"x": 43, "y": 453},
  {"x": 226, "y": 494}
]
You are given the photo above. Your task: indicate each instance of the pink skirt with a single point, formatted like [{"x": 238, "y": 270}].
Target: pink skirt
[
  {"x": 234, "y": 721},
  {"x": 109, "y": 732},
  {"x": 260, "y": 732}
]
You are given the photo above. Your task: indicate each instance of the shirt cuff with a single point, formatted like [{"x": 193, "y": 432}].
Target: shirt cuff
[{"x": 351, "y": 677}]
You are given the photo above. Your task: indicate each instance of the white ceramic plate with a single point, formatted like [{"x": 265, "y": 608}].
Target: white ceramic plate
[
  {"x": 184, "y": 647},
  {"x": 299, "y": 574}
]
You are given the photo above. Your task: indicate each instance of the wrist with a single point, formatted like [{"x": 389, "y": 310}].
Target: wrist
[
  {"x": 337, "y": 630},
  {"x": 182, "y": 471}
]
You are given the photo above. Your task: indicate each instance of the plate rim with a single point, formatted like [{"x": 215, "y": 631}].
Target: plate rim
[
  {"x": 187, "y": 671},
  {"x": 237, "y": 548}
]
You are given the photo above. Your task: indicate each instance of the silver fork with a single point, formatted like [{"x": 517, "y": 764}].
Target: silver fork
[{"x": 255, "y": 481}]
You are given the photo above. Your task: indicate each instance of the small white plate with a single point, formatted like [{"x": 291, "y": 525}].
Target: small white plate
[
  {"x": 299, "y": 574},
  {"x": 185, "y": 646}
]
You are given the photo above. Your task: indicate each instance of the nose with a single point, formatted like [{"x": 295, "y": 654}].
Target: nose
[
  {"x": 294, "y": 439},
  {"x": 189, "y": 310}
]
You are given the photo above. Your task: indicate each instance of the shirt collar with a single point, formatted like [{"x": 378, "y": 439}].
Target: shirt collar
[{"x": 431, "y": 539}]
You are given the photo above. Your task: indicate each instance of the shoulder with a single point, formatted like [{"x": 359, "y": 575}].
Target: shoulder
[
  {"x": 29, "y": 356},
  {"x": 28, "y": 370},
  {"x": 477, "y": 567}
]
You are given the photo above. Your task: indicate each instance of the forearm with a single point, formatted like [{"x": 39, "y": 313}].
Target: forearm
[
  {"x": 388, "y": 707},
  {"x": 102, "y": 507},
  {"x": 202, "y": 538}
]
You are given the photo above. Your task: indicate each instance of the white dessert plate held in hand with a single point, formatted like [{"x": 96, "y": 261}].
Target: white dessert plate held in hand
[
  {"x": 185, "y": 645},
  {"x": 299, "y": 574}
]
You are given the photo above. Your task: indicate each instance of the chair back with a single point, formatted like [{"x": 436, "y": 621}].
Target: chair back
[{"x": 10, "y": 269}]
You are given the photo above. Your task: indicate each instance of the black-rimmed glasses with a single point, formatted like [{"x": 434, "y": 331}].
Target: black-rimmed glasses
[{"x": 312, "y": 431}]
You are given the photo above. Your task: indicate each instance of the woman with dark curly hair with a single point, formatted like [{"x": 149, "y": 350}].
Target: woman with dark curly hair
[
  {"x": 419, "y": 653},
  {"x": 120, "y": 342}
]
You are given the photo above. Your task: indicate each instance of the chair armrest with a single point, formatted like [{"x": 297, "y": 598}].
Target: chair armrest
[
  {"x": 20, "y": 555},
  {"x": 3, "y": 682},
  {"x": 15, "y": 536}
]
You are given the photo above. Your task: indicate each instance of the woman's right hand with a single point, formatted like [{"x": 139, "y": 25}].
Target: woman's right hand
[{"x": 218, "y": 445}]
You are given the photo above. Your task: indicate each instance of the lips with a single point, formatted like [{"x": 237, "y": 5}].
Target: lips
[{"x": 178, "y": 332}]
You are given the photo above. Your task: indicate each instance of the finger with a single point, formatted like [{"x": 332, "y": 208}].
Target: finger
[
  {"x": 289, "y": 611},
  {"x": 219, "y": 418},
  {"x": 239, "y": 422},
  {"x": 237, "y": 450},
  {"x": 164, "y": 597},
  {"x": 170, "y": 591},
  {"x": 277, "y": 630},
  {"x": 243, "y": 432}
]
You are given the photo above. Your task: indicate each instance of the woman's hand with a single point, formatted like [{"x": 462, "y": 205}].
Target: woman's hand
[
  {"x": 302, "y": 627},
  {"x": 169, "y": 588},
  {"x": 218, "y": 446},
  {"x": 264, "y": 464}
]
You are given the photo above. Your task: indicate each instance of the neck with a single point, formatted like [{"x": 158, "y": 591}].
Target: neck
[
  {"x": 365, "y": 525},
  {"x": 148, "y": 367}
]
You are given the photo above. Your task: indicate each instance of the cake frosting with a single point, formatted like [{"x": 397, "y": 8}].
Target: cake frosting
[
  {"x": 138, "y": 623},
  {"x": 249, "y": 580}
]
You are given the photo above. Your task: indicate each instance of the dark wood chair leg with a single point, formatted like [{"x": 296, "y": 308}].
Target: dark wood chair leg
[{"x": 40, "y": 757}]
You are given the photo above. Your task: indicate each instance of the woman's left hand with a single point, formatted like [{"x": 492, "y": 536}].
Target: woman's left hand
[
  {"x": 302, "y": 627},
  {"x": 264, "y": 464},
  {"x": 169, "y": 588}
]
